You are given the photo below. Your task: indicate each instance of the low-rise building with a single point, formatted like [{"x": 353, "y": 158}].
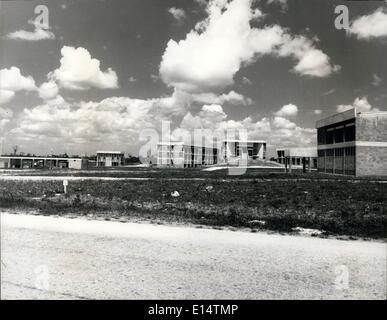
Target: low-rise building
[
  {"x": 110, "y": 158},
  {"x": 25, "y": 162},
  {"x": 353, "y": 143},
  {"x": 298, "y": 158},
  {"x": 232, "y": 150}
]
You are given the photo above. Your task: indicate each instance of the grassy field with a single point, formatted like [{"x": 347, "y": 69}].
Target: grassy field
[{"x": 257, "y": 200}]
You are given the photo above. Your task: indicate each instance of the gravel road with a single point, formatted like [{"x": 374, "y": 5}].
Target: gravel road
[{"x": 60, "y": 258}]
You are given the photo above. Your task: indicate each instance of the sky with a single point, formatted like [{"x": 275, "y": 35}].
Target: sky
[{"x": 100, "y": 74}]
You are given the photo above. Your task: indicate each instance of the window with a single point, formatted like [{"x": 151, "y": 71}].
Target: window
[
  {"x": 321, "y": 135},
  {"x": 350, "y": 151},
  {"x": 329, "y": 136},
  {"x": 329, "y": 152},
  {"x": 339, "y": 152},
  {"x": 321, "y": 153},
  {"x": 350, "y": 132},
  {"x": 339, "y": 134}
]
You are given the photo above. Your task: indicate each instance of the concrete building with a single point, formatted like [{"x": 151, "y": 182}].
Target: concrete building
[
  {"x": 21, "y": 162},
  {"x": 231, "y": 150},
  {"x": 298, "y": 158},
  {"x": 353, "y": 143},
  {"x": 182, "y": 155},
  {"x": 110, "y": 158}
]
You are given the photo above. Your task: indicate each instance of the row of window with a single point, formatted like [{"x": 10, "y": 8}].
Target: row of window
[
  {"x": 337, "y": 152},
  {"x": 335, "y": 134}
]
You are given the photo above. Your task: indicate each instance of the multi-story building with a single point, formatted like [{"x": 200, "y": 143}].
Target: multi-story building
[
  {"x": 110, "y": 158},
  {"x": 353, "y": 143},
  {"x": 181, "y": 155},
  {"x": 298, "y": 157},
  {"x": 184, "y": 155}
]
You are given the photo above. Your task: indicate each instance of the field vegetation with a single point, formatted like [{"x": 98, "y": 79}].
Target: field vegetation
[{"x": 257, "y": 200}]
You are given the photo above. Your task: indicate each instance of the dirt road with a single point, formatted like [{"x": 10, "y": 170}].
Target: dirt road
[{"x": 49, "y": 258}]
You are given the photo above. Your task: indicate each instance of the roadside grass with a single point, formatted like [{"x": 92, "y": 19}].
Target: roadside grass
[{"x": 268, "y": 201}]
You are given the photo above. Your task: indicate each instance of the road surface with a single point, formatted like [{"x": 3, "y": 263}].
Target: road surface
[{"x": 59, "y": 258}]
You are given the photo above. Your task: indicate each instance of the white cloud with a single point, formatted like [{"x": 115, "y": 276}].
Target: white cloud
[
  {"x": 287, "y": 110},
  {"x": 114, "y": 122},
  {"x": 311, "y": 61},
  {"x": 11, "y": 81},
  {"x": 370, "y": 26},
  {"x": 5, "y": 113},
  {"x": 232, "y": 97},
  {"x": 278, "y": 131},
  {"x": 39, "y": 33},
  {"x": 132, "y": 79},
  {"x": 376, "y": 80},
  {"x": 246, "y": 81},
  {"x": 6, "y": 96},
  {"x": 211, "y": 54},
  {"x": 48, "y": 90},
  {"x": 329, "y": 92},
  {"x": 177, "y": 13},
  {"x": 79, "y": 71},
  {"x": 361, "y": 105},
  {"x": 283, "y": 123},
  {"x": 317, "y": 111}
]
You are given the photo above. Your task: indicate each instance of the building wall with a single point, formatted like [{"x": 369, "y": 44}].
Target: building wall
[
  {"x": 371, "y": 161},
  {"x": 5, "y": 163},
  {"x": 365, "y": 153},
  {"x": 371, "y": 128},
  {"x": 180, "y": 156}
]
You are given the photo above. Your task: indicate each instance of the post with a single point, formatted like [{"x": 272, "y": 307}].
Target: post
[
  {"x": 290, "y": 164},
  {"x": 286, "y": 164},
  {"x": 65, "y": 184},
  {"x": 303, "y": 159},
  {"x": 309, "y": 164}
]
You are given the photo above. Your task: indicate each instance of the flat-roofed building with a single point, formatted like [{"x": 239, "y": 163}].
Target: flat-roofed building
[
  {"x": 110, "y": 158},
  {"x": 233, "y": 149},
  {"x": 25, "y": 162},
  {"x": 183, "y": 155},
  {"x": 298, "y": 157},
  {"x": 353, "y": 143}
]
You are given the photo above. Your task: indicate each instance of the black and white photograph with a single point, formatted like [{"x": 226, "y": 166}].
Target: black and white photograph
[{"x": 211, "y": 152}]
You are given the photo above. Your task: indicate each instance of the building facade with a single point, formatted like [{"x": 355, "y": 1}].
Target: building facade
[
  {"x": 353, "y": 143},
  {"x": 232, "y": 150},
  {"x": 184, "y": 155},
  {"x": 181, "y": 155},
  {"x": 110, "y": 158},
  {"x": 298, "y": 158},
  {"x": 21, "y": 162}
]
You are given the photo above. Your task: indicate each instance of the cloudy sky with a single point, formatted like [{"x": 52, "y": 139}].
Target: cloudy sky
[{"x": 104, "y": 71}]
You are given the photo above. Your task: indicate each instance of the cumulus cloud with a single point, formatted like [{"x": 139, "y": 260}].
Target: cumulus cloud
[
  {"x": 48, "y": 90},
  {"x": 114, "y": 122},
  {"x": 11, "y": 81},
  {"x": 39, "y": 33},
  {"x": 361, "y": 105},
  {"x": 277, "y": 131},
  {"x": 79, "y": 71},
  {"x": 370, "y": 26},
  {"x": 231, "y": 97},
  {"x": 177, "y": 13},
  {"x": 287, "y": 110},
  {"x": 317, "y": 111},
  {"x": 5, "y": 117},
  {"x": 215, "y": 50}
]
